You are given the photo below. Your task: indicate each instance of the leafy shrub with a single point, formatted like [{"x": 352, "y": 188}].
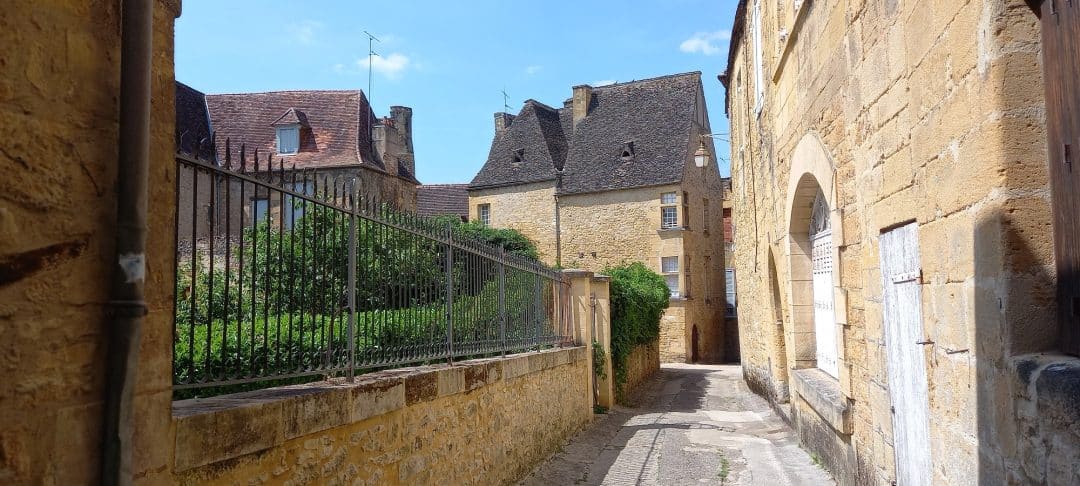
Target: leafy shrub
[{"x": 638, "y": 299}]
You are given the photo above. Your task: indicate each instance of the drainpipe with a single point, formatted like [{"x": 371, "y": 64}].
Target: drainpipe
[{"x": 126, "y": 305}]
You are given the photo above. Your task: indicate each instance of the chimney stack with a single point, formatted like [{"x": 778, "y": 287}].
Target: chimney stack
[
  {"x": 503, "y": 121},
  {"x": 582, "y": 98}
]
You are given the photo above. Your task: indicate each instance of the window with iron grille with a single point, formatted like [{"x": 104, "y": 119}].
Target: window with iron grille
[
  {"x": 1061, "y": 81},
  {"x": 483, "y": 213},
  {"x": 260, "y": 209}
]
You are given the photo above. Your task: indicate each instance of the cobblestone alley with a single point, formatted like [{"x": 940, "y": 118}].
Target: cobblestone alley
[{"x": 692, "y": 424}]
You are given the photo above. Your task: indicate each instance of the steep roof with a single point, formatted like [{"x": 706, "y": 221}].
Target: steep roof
[
  {"x": 337, "y": 125},
  {"x": 529, "y": 150},
  {"x": 652, "y": 117},
  {"x": 656, "y": 115},
  {"x": 192, "y": 120},
  {"x": 443, "y": 199}
]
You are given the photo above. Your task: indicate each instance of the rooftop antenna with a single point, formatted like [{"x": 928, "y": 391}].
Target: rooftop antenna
[{"x": 370, "y": 68}]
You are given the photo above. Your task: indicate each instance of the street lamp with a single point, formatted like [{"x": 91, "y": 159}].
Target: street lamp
[{"x": 701, "y": 155}]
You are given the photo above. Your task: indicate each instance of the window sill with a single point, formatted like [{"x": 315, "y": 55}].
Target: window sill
[
  {"x": 822, "y": 393},
  {"x": 673, "y": 229}
]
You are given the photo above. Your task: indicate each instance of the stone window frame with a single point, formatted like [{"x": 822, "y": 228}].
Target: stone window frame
[
  {"x": 705, "y": 215},
  {"x": 669, "y": 272},
  {"x": 812, "y": 170},
  {"x": 685, "y": 210},
  {"x": 668, "y": 204},
  {"x": 483, "y": 213}
]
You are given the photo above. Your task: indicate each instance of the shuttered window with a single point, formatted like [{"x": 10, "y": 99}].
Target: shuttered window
[{"x": 1060, "y": 21}]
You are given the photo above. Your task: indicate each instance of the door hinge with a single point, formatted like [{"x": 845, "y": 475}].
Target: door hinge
[{"x": 915, "y": 276}]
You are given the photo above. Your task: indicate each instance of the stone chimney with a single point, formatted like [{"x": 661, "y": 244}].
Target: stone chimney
[
  {"x": 393, "y": 142},
  {"x": 582, "y": 98},
  {"x": 503, "y": 121}
]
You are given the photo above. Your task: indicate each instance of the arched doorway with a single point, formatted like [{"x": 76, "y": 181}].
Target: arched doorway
[
  {"x": 778, "y": 361},
  {"x": 821, "y": 251}
]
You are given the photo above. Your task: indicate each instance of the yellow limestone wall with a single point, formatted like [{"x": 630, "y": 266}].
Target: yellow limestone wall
[
  {"x": 528, "y": 208},
  {"x": 919, "y": 111},
  {"x": 59, "y": 91},
  {"x": 478, "y": 422}
]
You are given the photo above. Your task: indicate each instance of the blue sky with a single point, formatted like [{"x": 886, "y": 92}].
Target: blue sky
[{"x": 450, "y": 62}]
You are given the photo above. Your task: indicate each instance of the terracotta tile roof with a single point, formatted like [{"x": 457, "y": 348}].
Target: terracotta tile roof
[
  {"x": 653, "y": 117},
  {"x": 443, "y": 199},
  {"x": 336, "y": 131},
  {"x": 192, "y": 120}
]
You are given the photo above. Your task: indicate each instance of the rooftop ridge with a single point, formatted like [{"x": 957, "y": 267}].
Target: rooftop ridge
[{"x": 645, "y": 80}]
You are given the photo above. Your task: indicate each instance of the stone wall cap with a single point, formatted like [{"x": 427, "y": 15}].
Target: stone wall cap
[
  {"x": 601, "y": 278},
  {"x": 577, "y": 272}
]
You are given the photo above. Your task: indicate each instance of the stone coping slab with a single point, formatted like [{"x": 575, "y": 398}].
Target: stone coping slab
[
  {"x": 210, "y": 430},
  {"x": 822, "y": 393}
]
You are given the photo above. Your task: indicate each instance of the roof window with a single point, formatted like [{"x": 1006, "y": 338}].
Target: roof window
[
  {"x": 519, "y": 156},
  {"x": 628, "y": 150}
]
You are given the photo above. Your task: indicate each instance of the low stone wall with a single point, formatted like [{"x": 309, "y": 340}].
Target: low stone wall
[
  {"x": 643, "y": 361},
  {"x": 477, "y": 422}
]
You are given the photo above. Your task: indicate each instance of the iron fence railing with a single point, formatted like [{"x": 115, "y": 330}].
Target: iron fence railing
[{"x": 286, "y": 275}]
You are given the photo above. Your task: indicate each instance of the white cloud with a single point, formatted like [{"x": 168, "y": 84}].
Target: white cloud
[
  {"x": 531, "y": 70},
  {"x": 304, "y": 32},
  {"x": 705, "y": 42},
  {"x": 391, "y": 66},
  {"x": 602, "y": 82}
]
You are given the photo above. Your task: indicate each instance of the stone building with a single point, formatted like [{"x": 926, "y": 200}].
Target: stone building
[
  {"x": 610, "y": 178},
  {"x": 896, "y": 256},
  {"x": 313, "y": 133}
]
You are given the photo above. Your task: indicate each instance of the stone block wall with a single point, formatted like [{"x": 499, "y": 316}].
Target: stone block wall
[
  {"x": 528, "y": 208},
  {"x": 58, "y": 97},
  {"x": 643, "y": 362},
  {"x": 476, "y": 422},
  {"x": 924, "y": 112}
]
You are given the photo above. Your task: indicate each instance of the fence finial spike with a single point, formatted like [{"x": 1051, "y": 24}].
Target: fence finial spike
[
  {"x": 228, "y": 155},
  {"x": 243, "y": 157}
]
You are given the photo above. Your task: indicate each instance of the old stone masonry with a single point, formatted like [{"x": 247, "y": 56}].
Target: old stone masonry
[{"x": 693, "y": 424}]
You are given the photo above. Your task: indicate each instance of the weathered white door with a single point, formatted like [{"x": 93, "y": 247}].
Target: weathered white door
[
  {"x": 902, "y": 315},
  {"x": 821, "y": 254}
]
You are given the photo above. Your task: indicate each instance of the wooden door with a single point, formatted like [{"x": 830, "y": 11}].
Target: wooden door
[
  {"x": 902, "y": 315},
  {"x": 821, "y": 249},
  {"x": 1060, "y": 21}
]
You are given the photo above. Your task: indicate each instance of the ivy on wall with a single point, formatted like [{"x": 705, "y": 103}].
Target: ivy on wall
[{"x": 638, "y": 299}]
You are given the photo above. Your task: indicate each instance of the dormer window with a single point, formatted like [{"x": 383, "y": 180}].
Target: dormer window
[
  {"x": 288, "y": 128},
  {"x": 288, "y": 139},
  {"x": 628, "y": 150},
  {"x": 519, "y": 156}
]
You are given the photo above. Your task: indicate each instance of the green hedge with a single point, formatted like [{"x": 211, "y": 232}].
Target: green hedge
[{"x": 638, "y": 299}]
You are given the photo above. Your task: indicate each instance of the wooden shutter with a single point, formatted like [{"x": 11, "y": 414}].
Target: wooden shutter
[{"x": 1060, "y": 21}]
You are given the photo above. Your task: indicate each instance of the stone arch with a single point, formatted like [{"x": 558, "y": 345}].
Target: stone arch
[
  {"x": 780, "y": 334},
  {"x": 812, "y": 177}
]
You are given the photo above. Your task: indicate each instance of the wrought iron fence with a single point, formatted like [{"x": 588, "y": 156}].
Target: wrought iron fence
[{"x": 286, "y": 275}]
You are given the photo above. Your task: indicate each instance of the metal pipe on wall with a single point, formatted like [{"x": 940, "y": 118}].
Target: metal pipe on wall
[{"x": 126, "y": 305}]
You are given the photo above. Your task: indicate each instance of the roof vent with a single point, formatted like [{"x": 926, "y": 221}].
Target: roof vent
[
  {"x": 519, "y": 156},
  {"x": 628, "y": 150}
]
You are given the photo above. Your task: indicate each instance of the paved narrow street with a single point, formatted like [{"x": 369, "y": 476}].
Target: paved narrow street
[{"x": 692, "y": 424}]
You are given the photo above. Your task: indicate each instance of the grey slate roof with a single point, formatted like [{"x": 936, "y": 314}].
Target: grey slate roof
[
  {"x": 443, "y": 199},
  {"x": 656, "y": 115},
  {"x": 192, "y": 121},
  {"x": 537, "y": 136}
]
